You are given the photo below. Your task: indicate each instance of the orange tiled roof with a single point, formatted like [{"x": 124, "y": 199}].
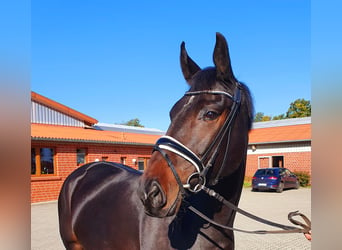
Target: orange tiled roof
[
  {"x": 62, "y": 108},
  {"x": 300, "y": 132},
  {"x": 63, "y": 133}
]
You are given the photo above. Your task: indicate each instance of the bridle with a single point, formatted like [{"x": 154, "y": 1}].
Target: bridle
[{"x": 197, "y": 181}]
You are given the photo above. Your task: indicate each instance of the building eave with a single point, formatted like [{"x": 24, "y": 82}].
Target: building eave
[
  {"x": 89, "y": 141},
  {"x": 62, "y": 108}
]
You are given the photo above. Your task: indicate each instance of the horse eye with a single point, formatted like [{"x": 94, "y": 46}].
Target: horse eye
[{"x": 210, "y": 115}]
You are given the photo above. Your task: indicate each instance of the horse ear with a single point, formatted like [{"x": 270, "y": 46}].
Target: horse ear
[
  {"x": 189, "y": 67},
  {"x": 221, "y": 59}
]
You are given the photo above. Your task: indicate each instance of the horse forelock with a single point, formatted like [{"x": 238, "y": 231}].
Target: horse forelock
[{"x": 204, "y": 79}]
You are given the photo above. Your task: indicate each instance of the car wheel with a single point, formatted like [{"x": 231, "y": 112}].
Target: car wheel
[
  {"x": 280, "y": 187},
  {"x": 297, "y": 185},
  {"x": 254, "y": 190}
]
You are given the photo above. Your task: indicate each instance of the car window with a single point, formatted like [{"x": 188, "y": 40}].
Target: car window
[
  {"x": 265, "y": 172},
  {"x": 282, "y": 171},
  {"x": 260, "y": 172},
  {"x": 270, "y": 172}
]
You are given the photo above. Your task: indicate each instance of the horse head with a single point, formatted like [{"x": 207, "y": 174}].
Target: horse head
[{"x": 207, "y": 138}]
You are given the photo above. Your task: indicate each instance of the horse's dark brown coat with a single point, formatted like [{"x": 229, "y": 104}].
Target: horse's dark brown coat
[{"x": 100, "y": 203}]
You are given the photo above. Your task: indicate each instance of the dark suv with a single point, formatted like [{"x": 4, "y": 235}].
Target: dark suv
[{"x": 276, "y": 179}]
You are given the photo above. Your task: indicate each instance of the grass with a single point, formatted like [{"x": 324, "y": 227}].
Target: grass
[{"x": 247, "y": 182}]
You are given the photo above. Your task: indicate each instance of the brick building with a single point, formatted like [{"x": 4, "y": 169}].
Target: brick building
[
  {"x": 280, "y": 143},
  {"x": 62, "y": 139}
]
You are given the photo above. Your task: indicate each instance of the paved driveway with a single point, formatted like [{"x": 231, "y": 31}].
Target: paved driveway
[{"x": 271, "y": 205}]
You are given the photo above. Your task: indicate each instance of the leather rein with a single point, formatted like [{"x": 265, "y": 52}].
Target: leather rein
[{"x": 196, "y": 182}]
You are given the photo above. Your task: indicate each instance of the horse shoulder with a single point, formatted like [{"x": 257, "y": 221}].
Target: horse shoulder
[{"x": 98, "y": 204}]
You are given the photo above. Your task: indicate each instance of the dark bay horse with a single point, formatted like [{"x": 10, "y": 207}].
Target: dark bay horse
[{"x": 106, "y": 205}]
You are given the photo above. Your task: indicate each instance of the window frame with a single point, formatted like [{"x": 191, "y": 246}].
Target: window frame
[
  {"x": 145, "y": 161},
  {"x": 85, "y": 156},
  {"x": 37, "y": 159},
  {"x": 123, "y": 160}
]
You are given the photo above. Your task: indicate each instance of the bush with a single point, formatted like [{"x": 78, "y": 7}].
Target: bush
[
  {"x": 303, "y": 177},
  {"x": 247, "y": 182}
]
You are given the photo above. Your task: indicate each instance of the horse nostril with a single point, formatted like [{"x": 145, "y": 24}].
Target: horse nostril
[
  {"x": 156, "y": 195},
  {"x": 154, "y": 191}
]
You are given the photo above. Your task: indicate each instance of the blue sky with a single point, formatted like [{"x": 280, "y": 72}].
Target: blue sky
[{"x": 116, "y": 61}]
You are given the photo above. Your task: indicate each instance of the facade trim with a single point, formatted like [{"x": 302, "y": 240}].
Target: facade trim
[
  {"x": 278, "y": 150},
  {"x": 278, "y": 142}
]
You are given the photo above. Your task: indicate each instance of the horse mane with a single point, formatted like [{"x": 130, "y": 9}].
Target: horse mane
[
  {"x": 248, "y": 101},
  {"x": 205, "y": 80}
]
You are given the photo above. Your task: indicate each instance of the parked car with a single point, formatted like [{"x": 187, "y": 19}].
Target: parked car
[{"x": 276, "y": 179}]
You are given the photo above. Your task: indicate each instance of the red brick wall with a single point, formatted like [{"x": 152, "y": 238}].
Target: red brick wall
[
  {"x": 294, "y": 161},
  {"x": 46, "y": 188}
]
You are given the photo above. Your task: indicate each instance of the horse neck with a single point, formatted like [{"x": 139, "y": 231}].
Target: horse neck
[
  {"x": 230, "y": 188},
  {"x": 186, "y": 226}
]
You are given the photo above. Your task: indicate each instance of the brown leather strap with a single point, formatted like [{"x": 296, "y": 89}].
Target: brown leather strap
[
  {"x": 306, "y": 228},
  {"x": 294, "y": 230}
]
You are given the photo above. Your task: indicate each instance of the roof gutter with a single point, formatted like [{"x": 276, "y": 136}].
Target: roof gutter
[
  {"x": 90, "y": 141},
  {"x": 145, "y": 144}
]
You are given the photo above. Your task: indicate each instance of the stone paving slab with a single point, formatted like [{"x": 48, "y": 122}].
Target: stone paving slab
[
  {"x": 44, "y": 227},
  {"x": 271, "y": 205}
]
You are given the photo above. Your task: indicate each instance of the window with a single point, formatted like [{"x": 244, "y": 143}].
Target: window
[
  {"x": 42, "y": 161},
  {"x": 265, "y": 172},
  {"x": 81, "y": 156},
  {"x": 271, "y": 161},
  {"x": 33, "y": 161},
  {"x": 264, "y": 162},
  {"x": 278, "y": 161},
  {"x": 123, "y": 160},
  {"x": 282, "y": 171},
  {"x": 142, "y": 163},
  {"x": 288, "y": 172}
]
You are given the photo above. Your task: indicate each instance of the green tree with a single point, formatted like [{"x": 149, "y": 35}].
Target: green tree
[
  {"x": 133, "y": 122},
  {"x": 261, "y": 117},
  {"x": 279, "y": 117},
  {"x": 299, "y": 108},
  {"x": 258, "y": 117},
  {"x": 266, "y": 118}
]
